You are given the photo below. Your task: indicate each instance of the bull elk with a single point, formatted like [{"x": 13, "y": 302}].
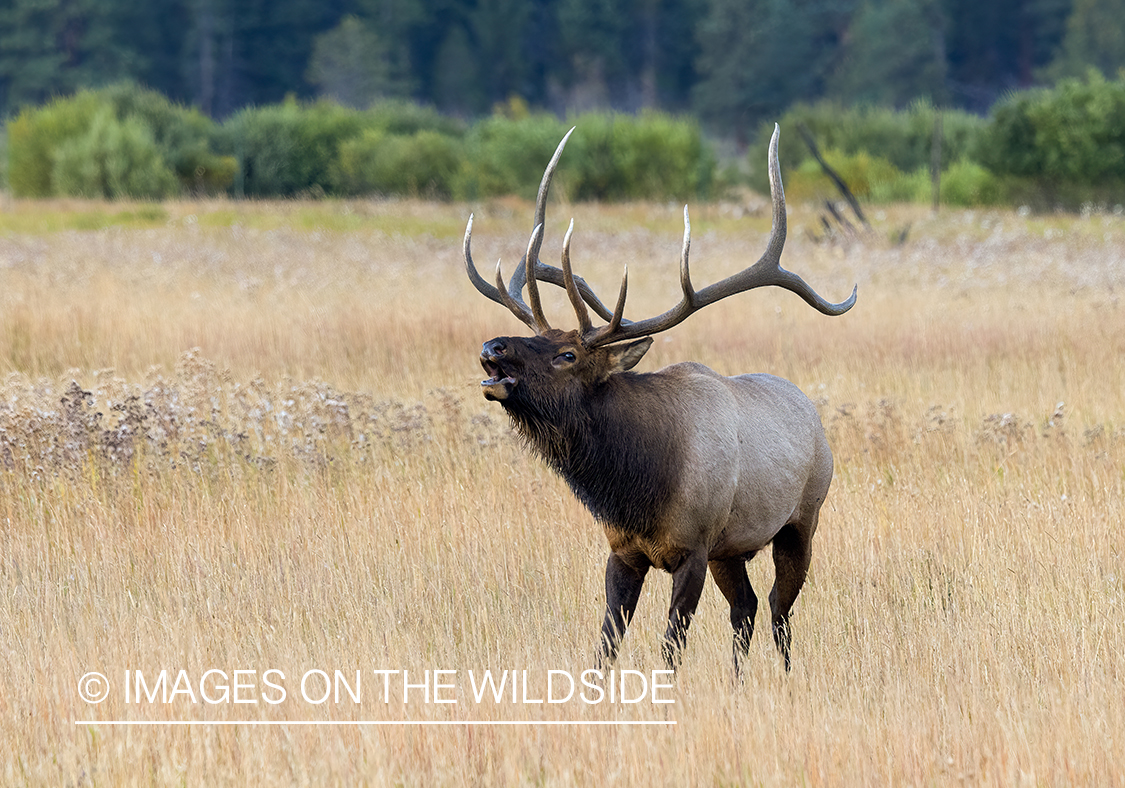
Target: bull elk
[{"x": 684, "y": 468}]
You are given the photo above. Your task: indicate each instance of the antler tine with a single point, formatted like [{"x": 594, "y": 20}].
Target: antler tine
[
  {"x": 766, "y": 271},
  {"x": 608, "y": 333},
  {"x": 518, "y": 307},
  {"x": 619, "y": 310},
  {"x": 545, "y": 183},
  {"x": 499, "y": 293},
  {"x": 519, "y": 278},
  {"x": 571, "y": 288},
  {"x": 685, "y": 274},
  {"x": 483, "y": 287},
  {"x": 532, "y": 286},
  {"x": 555, "y": 276}
]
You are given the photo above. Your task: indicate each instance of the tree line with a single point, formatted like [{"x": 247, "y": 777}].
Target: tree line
[
  {"x": 124, "y": 141},
  {"x": 732, "y": 63},
  {"x": 1057, "y": 147}
]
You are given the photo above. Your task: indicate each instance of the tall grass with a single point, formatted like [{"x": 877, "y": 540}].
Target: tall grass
[{"x": 239, "y": 442}]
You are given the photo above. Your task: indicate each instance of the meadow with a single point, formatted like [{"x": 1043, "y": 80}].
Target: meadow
[{"x": 249, "y": 437}]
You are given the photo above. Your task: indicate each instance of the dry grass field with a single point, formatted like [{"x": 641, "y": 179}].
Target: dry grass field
[{"x": 250, "y": 437}]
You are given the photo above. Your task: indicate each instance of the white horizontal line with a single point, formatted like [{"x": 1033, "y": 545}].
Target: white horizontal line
[{"x": 359, "y": 723}]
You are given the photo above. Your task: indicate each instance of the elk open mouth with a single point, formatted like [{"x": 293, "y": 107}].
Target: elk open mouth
[{"x": 499, "y": 384}]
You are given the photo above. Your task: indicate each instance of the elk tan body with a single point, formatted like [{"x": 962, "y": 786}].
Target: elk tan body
[
  {"x": 686, "y": 469},
  {"x": 755, "y": 459}
]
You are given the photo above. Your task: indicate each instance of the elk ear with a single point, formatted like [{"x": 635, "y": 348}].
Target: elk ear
[{"x": 625, "y": 357}]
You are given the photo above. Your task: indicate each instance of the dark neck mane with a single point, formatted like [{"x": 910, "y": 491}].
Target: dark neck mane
[{"x": 615, "y": 447}]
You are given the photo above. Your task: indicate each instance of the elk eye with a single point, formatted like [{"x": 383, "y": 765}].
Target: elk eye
[{"x": 568, "y": 357}]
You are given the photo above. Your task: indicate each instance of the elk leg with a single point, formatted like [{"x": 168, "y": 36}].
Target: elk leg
[
  {"x": 622, "y": 590},
  {"x": 687, "y": 586},
  {"x": 791, "y": 555},
  {"x": 730, "y": 577}
]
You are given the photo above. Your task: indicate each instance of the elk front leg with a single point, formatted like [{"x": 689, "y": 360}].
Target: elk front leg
[
  {"x": 687, "y": 586},
  {"x": 622, "y": 590}
]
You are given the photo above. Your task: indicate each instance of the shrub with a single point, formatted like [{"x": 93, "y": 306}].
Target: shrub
[
  {"x": 865, "y": 175},
  {"x": 915, "y": 186},
  {"x": 180, "y": 135},
  {"x": 876, "y": 180},
  {"x": 35, "y": 135},
  {"x": 1077, "y": 132},
  {"x": 405, "y": 117},
  {"x": 1069, "y": 140},
  {"x": 652, "y": 156},
  {"x": 903, "y": 138},
  {"x": 883, "y": 155},
  {"x": 288, "y": 149},
  {"x": 968, "y": 184},
  {"x": 113, "y": 159},
  {"x": 423, "y": 164},
  {"x": 610, "y": 157},
  {"x": 506, "y": 156}
]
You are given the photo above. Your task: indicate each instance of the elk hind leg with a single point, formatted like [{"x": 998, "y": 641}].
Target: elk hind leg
[
  {"x": 792, "y": 552},
  {"x": 623, "y": 584},
  {"x": 730, "y": 576}
]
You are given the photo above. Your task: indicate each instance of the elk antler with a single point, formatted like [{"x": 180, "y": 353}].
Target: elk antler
[
  {"x": 508, "y": 296},
  {"x": 767, "y": 271},
  {"x": 511, "y": 295}
]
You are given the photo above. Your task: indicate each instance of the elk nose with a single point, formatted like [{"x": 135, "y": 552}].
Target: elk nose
[{"x": 493, "y": 348}]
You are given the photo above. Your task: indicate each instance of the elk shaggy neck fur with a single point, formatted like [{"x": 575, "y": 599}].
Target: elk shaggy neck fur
[{"x": 613, "y": 444}]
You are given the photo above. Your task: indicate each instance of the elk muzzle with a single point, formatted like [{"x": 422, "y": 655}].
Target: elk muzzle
[{"x": 498, "y": 386}]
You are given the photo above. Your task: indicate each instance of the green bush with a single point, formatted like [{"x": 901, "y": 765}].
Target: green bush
[
  {"x": 181, "y": 135},
  {"x": 293, "y": 149},
  {"x": 649, "y": 157},
  {"x": 507, "y": 156},
  {"x": 288, "y": 149},
  {"x": 968, "y": 184},
  {"x": 964, "y": 184},
  {"x": 423, "y": 164},
  {"x": 113, "y": 159},
  {"x": 610, "y": 157},
  {"x": 915, "y": 186},
  {"x": 405, "y": 118},
  {"x": 903, "y": 138},
  {"x": 35, "y": 135},
  {"x": 883, "y": 155},
  {"x": 865, "y": 175},
  {"x": 1065, "y": 144},
  {"x": 876, "y": 180}
]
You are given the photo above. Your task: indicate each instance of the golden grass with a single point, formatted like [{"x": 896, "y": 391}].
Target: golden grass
[{"x": 250, "y": 437}]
